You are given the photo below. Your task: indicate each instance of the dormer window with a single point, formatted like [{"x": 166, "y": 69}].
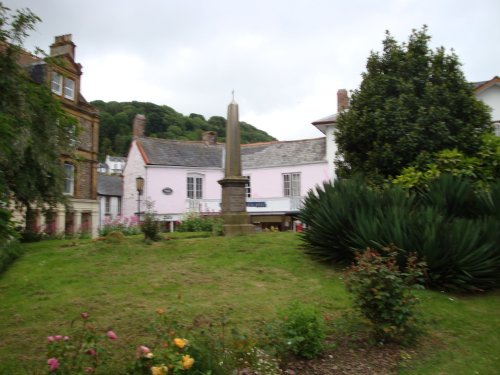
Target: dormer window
[
  {"x": 69, "y": 89},
  {"x": 56, "y": 83}
]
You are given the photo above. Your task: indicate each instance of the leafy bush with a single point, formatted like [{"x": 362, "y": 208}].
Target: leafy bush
[
  {"x": 482, "y": 169},
  {"x": 82, "y": 350},
  {"x": 9, "y": 252},
  {"x": 193, "y": 222},
  {"x": 453, "y": 227},
  {"x": 383, "y": 293},
  {"x": 301, "y": 331},
  {"x": 150, "y": 226}
]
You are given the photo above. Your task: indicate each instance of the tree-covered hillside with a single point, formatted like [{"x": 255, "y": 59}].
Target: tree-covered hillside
[{"x": 115, "y": 132}]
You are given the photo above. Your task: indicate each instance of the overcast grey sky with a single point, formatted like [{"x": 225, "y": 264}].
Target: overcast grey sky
[{"x": 285, "y": 59}]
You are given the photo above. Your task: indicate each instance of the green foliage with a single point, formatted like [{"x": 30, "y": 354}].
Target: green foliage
[
  {"x": 450, "y": 225},
  {"x": 302, "y": 330},
  {"x": 193, "y": 222},
  {"x": 412, "y": 103},
  {"x": 82, "y": 350},
  {"x": 383, "y": 293},
  {"x": 34, "y": 130},
  {"x": 483, "y": 168},
  {"x": 7, "y": 230},
  {"x": 115, "y": 131},
  {"x": 150, "y": 225},
  {"x": 9, "y": 252}
]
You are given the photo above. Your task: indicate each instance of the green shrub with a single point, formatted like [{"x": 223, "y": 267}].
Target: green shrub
[
  {"x": 302, "y": 330},
  {"x": 384, "y": 293},
  {"x": 150, "y": 226},
  {"x": 453, "y": 227},
  {"x": 9, "y": 252},
  {"x": 193, "y": 222}
]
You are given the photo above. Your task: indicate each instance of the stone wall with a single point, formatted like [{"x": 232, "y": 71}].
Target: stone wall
[
  {"x": 84, "y": 180},
  {"x": 85, "y": 136}
]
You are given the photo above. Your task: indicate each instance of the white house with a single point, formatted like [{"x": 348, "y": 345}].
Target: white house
[
  {"x": 489, "y": 93},
  {"x": 181, "y": 176},
  {"x": 109, "y": 193},
  {"x": 115, "y": 164}
]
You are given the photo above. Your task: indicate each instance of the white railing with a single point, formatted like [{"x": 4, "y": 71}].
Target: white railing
[{"x": 284, "y": 204}]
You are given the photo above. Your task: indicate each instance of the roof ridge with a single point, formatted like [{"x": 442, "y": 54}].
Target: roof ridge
[{"x": 275, "y": 142}]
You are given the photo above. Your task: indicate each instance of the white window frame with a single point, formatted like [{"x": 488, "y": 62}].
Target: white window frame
[
  {"x": 56, "y": 83},
  {"x": 69, "y": 92},
  {"x": 107, "y": 205},
  {"x": 69, "y": 179},
  {"x": 291, "y": 184},
  {"x": 194, "y": 186},
  {"x": 248, "y": 187}
]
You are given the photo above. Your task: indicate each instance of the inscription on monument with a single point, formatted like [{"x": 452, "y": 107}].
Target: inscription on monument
[{"x": 236, "y": 203}]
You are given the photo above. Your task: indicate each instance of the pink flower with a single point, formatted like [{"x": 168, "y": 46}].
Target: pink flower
[
  {"x": 58, "y": 338},
  {"x": 111, "y": 335},
  {"x": 91, "y": 352},
  {"x": 89, "y": 369},
  {"x": 84, "y": 315},
  {"x": 53, "y": 364},
  {"x": 66, "y": 338},
  {"x": 50, "y": 338},
  {"x": 142, "y": 351}
]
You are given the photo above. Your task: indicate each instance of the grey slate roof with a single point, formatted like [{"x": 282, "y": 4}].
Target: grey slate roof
[
  {"x": 182, "y": 153},
  {"x": 328, "y": 119},
  {"x": 279, "y": 154},
  {"x": 109, "y": 185},
  {"x": 198, "y": 154}
]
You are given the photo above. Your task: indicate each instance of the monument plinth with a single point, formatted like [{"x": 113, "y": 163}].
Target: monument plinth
[{"x": 233, "y": 206}]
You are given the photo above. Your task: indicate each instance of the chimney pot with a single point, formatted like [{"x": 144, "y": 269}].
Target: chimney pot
[
  {"x": 210, "y": 138},
  {"x": 138, "y": 126},
  {"x": 342, "y": 100},
  {"x": 63, "y": 44}
]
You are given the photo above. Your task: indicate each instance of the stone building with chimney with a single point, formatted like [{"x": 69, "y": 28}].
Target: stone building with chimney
[{"x": 64, "y": 79}]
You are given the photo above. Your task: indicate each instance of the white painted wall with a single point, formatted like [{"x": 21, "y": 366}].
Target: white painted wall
[
  {"x": 134, "y": 168},
  {"x": 491, "y": 97},
  {"x": 113, "y": 209}
]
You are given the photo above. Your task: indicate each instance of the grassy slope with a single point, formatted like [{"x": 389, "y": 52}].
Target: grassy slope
[{"x": 122, "y": 285}]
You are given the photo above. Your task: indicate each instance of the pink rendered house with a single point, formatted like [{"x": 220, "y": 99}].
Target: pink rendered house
[{"x": 181, "y": 177}]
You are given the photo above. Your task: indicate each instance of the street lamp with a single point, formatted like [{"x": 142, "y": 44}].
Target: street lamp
[{"x": 139, "y": 185}]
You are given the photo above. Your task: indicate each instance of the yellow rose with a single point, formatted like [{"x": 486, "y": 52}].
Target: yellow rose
[
  {"x": 159, "y": 370},
  {"x": 187, "y": 362},
  {"x": 180, "y": 343}
]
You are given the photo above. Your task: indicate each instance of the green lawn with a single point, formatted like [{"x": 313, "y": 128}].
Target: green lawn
[{"x": 123, "y": 284}]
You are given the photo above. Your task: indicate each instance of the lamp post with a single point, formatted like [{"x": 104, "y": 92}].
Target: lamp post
[{"x": 139, "y": 185}]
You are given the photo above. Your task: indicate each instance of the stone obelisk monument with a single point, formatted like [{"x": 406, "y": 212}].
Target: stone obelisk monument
[{"x": 233, "y": 206}]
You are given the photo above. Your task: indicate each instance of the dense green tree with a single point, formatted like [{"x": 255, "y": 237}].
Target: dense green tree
[
  {"x": 34, "y": 129},
  {"x": 412, "y": 103},
  {"x": 161, "y": 122}
]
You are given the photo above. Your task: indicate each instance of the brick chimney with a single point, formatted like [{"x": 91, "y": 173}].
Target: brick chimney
[
  {"x": 138, "y": 127},
  {"x": 342, "y": 100},
  {"x": 63, "y": 44},
  {"x": 210, "y": 138}
]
